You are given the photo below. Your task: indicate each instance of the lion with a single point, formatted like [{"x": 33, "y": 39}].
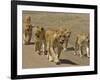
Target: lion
[
  {"x": 54, "y": 41},
  {"x": 82, "y": 44},
  {"x": 67, "y": 33},
  {"x": 27, "y": 30},
  {"x": 40, "y": 41}
]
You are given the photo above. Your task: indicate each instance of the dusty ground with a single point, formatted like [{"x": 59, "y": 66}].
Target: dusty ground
[{"x": 75, "y": 21}]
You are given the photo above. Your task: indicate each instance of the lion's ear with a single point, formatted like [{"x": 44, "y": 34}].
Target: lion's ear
[{"x": 42, "y": 28}]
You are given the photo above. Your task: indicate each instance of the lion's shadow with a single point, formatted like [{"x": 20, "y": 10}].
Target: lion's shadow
[
  {"x": 66, "y": 61},
  {"x": 31, "y": 43},
  {"x": 70, "y": 49}
]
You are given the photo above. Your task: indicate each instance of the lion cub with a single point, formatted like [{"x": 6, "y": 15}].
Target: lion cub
[
  {"x": 40, "y": 41},
  {"x": 27, "y": 30},
  {"x": 82, "y": 44}
]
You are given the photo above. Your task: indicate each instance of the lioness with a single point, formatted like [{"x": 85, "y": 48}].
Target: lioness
[
  {"x": 55, "y": 40},
  {"x": 27, "y": 30},
  {"x": 67, "y": 33},
  {"x": 40, "y": 41},
  {"x": 82, "y": 44}
]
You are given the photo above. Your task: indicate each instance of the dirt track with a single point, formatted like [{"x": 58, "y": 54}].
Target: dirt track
[{"x": 76, "y": 22}]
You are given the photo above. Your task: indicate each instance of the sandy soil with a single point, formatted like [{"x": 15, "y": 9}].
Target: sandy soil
[{"x": 75, "y": 21}]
